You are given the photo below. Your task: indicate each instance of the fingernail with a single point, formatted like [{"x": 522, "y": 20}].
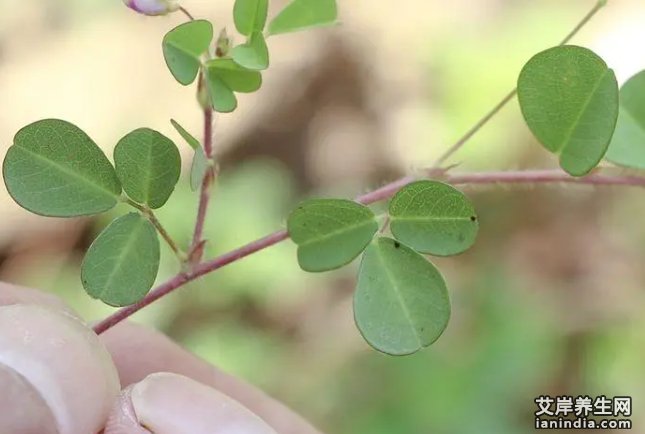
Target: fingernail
[
  {"x": 174, "y": 404},
  {"x": 23, "y": 409}
]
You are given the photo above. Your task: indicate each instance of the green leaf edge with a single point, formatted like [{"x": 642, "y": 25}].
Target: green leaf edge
[
  {"x": 177, "y": 154},
  {"x": 422, "y": 346},
  {"x": 83, "y": 279},
  {"x": 188, "y": 138},
  {"x": 248, "y": 45},
  {"x": 349, "y": 261},
  {"x": 165, "y": 43},
  {"x": 254, "y": 27},
  {"x": 627, "y": 113},
  {"x": 474, "y": 215},
  {"x": 559, "y": 152},
  {"x": 117, "y": 196},
  {"x": 270, "y": 32}
]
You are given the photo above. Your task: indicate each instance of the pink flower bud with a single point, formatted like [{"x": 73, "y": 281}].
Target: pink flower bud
[{"x": 152, "y": 7}]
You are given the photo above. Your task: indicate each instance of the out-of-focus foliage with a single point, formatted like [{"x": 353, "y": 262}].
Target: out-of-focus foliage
[{"x": 627, "y": 147}]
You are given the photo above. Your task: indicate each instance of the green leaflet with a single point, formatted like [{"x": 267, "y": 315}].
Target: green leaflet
[
  {"x": 569, "y": 99},
  {"x": 222, "y": 97},
  {"x": 55, "y": 169},
  {"x": 148, "y": 165},
  {"x": 183, "y": 47},
  {"x": 433, "y": 217},
  {"x": 234, "y": 76},
  {"x": 200, "y": 162},
  {"x": 121, "y": 265},
  {"x": 254, "y": 54},
  {"x": 401, "y": 304},
  {"x": 330, "y": 233},
  {"x": 302, "y": 14},
  {"x": 189, "y": 138},
  {"x": 627, "y": 147},
  {"x": 198, "y": 169},
  {"x": 250, "y": 15},
  {"x": 224, "y": 77}
]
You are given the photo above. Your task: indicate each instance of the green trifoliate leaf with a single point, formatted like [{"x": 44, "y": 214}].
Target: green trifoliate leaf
[
  {"x": 569, "y": 99},
  {"x": 250, "y": 15},
  {"x": 121, "y": 265},
  {"x": 235, "y": 77},
  {"x": 627, "y": 147},
  {"x": 55, "y": 169},
  {"x": 183, "y": 47},
  {"x": 198, "y": 169},
  {"x": 401, "y": 304},
  {"x": 148, "y": 165},
  {"x": 189, "y": 138},
  {"x": 433, "y": 217},
  {"x": 330, "y": 233},
  {"x": 254, "y": 54},
  {"x": 303, "y": 14}
]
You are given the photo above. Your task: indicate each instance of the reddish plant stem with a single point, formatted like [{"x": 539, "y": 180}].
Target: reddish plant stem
[
  {"x": 544, "y": 177},
  {"x": 183, "y": 278},
  {"x": 195, "y": 252},
  {"x": 208, "y": 132},
  {"x": 520, "y": 177}
]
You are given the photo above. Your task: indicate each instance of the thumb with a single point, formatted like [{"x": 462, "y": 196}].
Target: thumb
[{"x": 55, "y": 375}]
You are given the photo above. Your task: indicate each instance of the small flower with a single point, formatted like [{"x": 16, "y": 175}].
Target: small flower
[{"x": 153, "y": 7}]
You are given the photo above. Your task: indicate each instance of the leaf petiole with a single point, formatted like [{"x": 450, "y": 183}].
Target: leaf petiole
[
  {"x": 187, "y": 13},
  {"x": 493, "y": 112},
  {"x": 150, "y": 215}
]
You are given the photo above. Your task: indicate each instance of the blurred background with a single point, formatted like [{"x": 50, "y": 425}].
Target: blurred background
[{"x": 551, "y": 299}]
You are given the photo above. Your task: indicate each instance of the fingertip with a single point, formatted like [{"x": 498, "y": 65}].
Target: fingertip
[
  {"x": 68, "y": 368},
  {"x": 167, "y": 403},
  {"x": 138, "y": 352},
  {"x": 23, "y": 408}
]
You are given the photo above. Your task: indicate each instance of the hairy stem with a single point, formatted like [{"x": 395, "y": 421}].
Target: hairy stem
[
  {"x": 510, "y": 177},
  {"x": 491, "y": 114},
  {"x": 545, "y": 177},
  {"x": 150, "y": 215},
  {"x": 182, "y": 278}
]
